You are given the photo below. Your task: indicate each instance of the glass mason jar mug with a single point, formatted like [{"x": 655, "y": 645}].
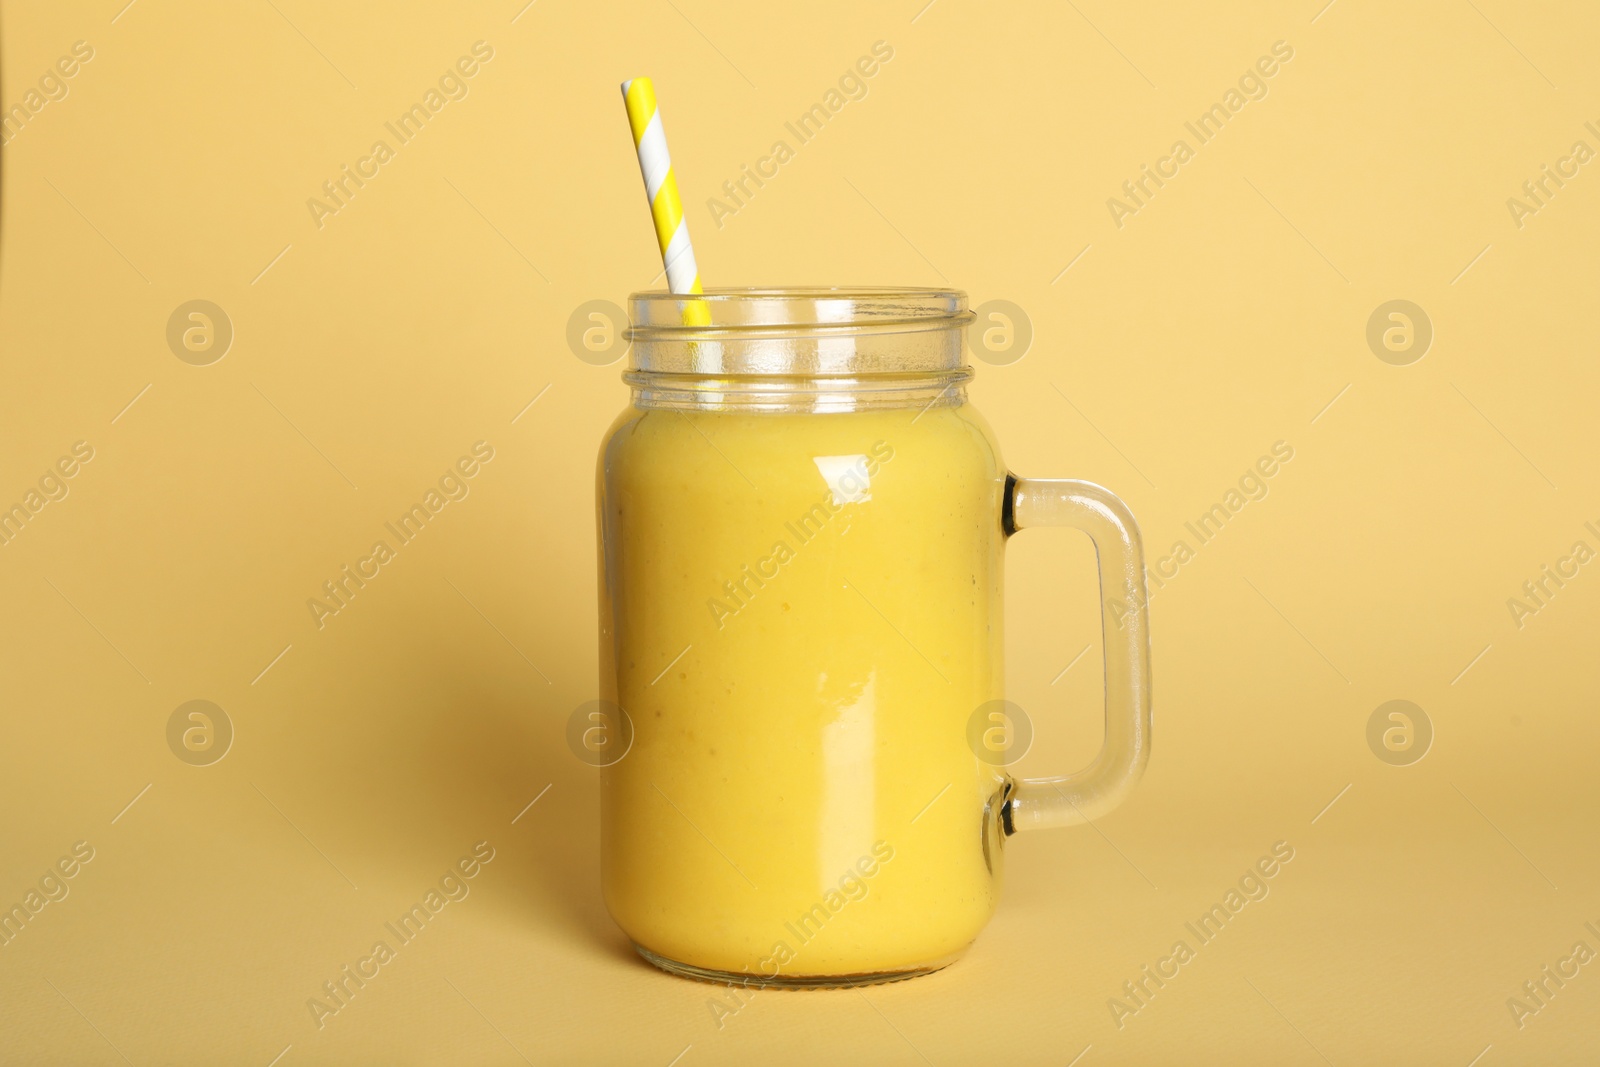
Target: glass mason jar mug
[{"x": 802, "y": 529}]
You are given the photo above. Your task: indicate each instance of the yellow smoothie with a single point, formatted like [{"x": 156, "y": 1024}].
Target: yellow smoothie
[{"x": 800, "y": 613}]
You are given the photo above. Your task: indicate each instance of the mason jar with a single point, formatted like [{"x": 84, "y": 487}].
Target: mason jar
[{"x": 802, "y": 525}]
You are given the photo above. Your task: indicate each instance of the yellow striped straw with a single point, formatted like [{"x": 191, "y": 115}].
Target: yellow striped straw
[{"x": 661, "y": 186}]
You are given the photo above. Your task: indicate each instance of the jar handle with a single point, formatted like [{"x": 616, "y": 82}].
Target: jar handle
[{"x": 1039, "y": 803}]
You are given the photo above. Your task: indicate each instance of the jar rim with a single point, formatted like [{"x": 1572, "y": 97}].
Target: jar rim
[
  {"x": 811, "y": 348},
  {"x": 815, "y": 311}
]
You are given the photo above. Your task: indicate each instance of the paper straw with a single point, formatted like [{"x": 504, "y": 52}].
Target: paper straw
[{"x": 661, "y": 186}]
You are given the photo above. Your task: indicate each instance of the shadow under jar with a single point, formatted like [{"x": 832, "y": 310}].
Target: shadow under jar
[{"x": 802, "y": 530}]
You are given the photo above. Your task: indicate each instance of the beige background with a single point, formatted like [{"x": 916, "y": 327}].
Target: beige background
[{"x": 1229, "y": 313}]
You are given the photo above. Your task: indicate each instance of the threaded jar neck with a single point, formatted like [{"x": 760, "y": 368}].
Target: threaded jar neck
[{"x": 788, "y": 350}]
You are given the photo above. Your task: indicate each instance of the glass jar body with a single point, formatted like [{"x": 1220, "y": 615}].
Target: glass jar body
[{"x": 800, "y": 616}]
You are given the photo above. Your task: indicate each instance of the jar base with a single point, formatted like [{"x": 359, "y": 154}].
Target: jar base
[{"x": 791, "y": 981}]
